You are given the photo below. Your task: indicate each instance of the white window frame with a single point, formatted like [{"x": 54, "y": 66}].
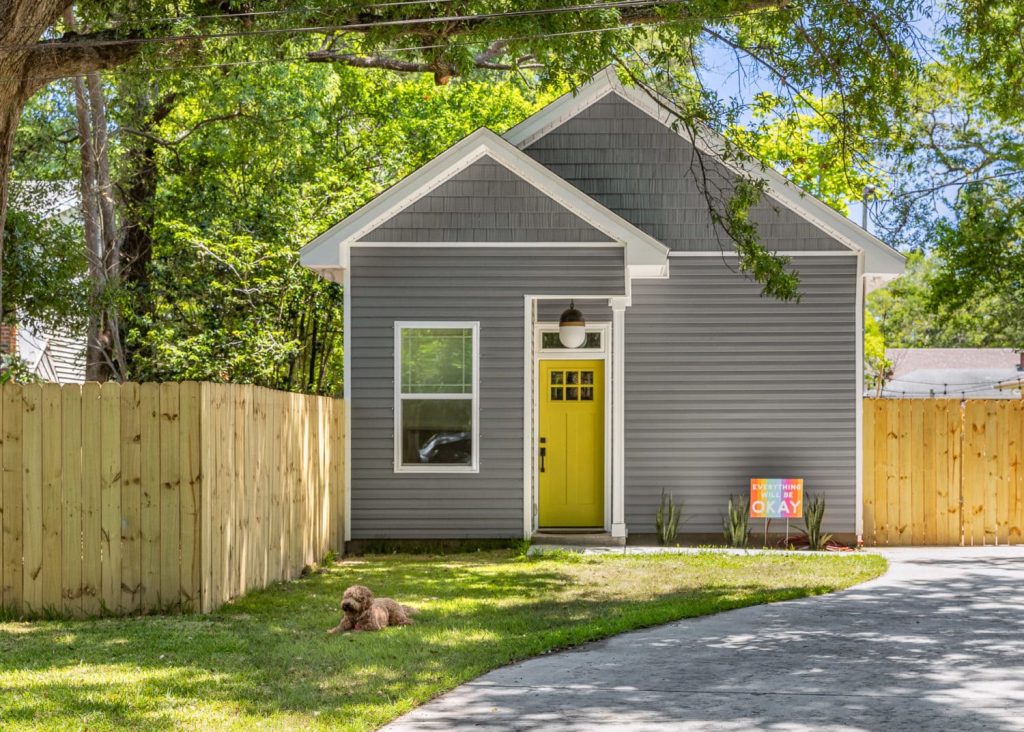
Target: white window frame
[{"x": 474, "y": 466}]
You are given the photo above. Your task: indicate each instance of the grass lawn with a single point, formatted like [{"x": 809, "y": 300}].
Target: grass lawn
[{"x": 266, "y": 660}]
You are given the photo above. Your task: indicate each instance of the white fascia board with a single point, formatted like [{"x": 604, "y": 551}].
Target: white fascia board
[
  {"x": 879, "y": 257},
  {"x": 330, "y": 249}
]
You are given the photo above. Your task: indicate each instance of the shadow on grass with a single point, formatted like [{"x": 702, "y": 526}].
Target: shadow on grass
[{"x": 268, "y": 653}]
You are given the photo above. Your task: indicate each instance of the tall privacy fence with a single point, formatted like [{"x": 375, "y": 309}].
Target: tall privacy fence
[
  {"x": 942, "y": 471},
  {"x": 129, "y": 498}
]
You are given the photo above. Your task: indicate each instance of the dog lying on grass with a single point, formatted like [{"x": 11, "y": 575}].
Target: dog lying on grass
[{"x": 362, "y": 611}]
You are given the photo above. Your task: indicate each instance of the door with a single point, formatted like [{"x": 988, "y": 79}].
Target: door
[{"x": 570, "y": 454}]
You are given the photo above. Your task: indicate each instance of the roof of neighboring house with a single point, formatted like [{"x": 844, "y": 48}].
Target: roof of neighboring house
[
  {"x": 52, "y": 356},
  {"x": 46, "y": 198},
  {"x": 953, "y": 372}
]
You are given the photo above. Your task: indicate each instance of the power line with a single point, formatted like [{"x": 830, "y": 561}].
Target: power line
[
  {"x": 241, "y": 15},
  {"x": 361, "y": 26},
  {"x": 399, "y": 49}
]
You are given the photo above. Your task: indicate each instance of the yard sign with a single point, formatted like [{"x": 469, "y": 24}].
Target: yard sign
[{"x": 776, "y": 498}]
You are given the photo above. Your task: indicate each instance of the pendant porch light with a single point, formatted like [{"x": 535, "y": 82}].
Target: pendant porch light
[{"x": 572, "y": 328}]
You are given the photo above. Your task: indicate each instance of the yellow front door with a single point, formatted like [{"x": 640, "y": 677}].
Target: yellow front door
[{"x": 570, "y": 455}]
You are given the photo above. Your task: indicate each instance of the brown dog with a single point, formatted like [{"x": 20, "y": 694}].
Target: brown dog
[{"x": 362, "y": 611}]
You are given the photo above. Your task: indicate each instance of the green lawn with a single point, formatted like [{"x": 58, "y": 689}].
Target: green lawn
[{"x": 266, "y": 660}]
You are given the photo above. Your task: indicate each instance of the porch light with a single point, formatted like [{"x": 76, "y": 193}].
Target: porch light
[{"x": 572, "y": 328}]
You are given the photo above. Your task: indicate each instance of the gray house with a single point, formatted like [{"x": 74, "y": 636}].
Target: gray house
[{"x": 470, "y": 418}]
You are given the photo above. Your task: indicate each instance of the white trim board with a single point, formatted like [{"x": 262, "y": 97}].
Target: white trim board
[
  {"x": 880, "y": 258},
  {"x": 486, "y": 244},
  {"x": 787, "y": 253},
  {"x": 644, "y": 253},
  {"x": 539, "y": 354},
  {"x": 398, "y": 466}
]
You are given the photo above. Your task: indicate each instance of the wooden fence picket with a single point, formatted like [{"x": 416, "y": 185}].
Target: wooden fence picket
[
  {"x": 110, "y": 497},
  {"x": 170, "y": 496},
  {"x": 149, "y": 522},
  {"x": 71, "y": 492},
  {"x": 52, "y": 499},
  {"x": 91, "y": 499},
  {"x": 131, "y": 498}
]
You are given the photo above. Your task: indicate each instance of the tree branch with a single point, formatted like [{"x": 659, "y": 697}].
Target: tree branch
[{"x": 67, "y": 56}]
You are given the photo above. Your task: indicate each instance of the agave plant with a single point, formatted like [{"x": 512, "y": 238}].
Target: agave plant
[
  {"x": 667, "y": 519},
  {"x": 814, "y": 512},
  {"x": 734, "y": 523}
]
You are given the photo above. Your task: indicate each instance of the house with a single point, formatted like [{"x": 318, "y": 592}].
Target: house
[
  {"x": 468, "y": 418},
  {"x": 51, "y": 355},
  {"x": 979, "y": 373}
]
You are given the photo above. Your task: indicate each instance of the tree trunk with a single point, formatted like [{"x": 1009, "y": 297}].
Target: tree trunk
[
  {"x": 27, "y": 65},
  {"x": 10, "y": 112},
  {"x": 95, "y": 362}
]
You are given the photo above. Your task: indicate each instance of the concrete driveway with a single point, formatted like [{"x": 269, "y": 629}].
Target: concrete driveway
[{"x": 937, "y": 643}]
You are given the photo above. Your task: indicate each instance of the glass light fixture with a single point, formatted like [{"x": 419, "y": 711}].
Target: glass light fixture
[{"x": 572, "y": 328}]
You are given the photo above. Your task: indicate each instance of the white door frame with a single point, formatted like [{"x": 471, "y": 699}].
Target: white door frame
[{"x": 538, "y": 354}]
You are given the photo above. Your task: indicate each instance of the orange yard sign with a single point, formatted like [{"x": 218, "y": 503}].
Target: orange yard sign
[{"x": 776, "y": 498}]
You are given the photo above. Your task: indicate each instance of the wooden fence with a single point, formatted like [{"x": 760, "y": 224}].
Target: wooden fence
[
  {"x": 942, "y": 471},
  {"x": 129, "y": 498}
]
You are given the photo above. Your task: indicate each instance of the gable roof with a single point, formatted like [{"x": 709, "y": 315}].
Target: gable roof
[
  {"x": 878, "y": 256},
  {"x": 644, "y": 255}
]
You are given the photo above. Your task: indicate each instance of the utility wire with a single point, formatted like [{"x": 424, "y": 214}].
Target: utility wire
[
  {"x": 241, "y": 15},
  {"x": 336, "y": 28},
  {"x": 398, "y": 49}
]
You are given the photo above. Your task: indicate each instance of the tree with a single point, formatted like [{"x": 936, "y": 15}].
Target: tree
[
  {"x": 917, "y": 311},
  {"x": 801, "y": 145},
  {"x": 859, "y": 50},
  {"x": 241, "y": 166}
]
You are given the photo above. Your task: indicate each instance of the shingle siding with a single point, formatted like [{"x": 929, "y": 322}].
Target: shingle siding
[
  {"x": 648, "y": 174},
  {"x": 485, "y": 203},
  {"x": 723, "y": 385},
  {"x": 391, "y": 284}
]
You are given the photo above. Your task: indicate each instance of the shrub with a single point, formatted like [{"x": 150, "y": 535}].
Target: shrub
[
  {"x": 734, "y": 523},
  {"x": 667, "y": 519},
  {"x": 814, "y": 512}
]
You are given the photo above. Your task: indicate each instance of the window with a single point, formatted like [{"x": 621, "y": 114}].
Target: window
[
  {"x": 436, "y": 379},
  {"x": 549, "y": 339},
  {"x": 578, "y": 386}
]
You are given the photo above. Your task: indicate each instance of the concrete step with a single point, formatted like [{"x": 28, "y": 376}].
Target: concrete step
[{"x": 574, "y": 538}]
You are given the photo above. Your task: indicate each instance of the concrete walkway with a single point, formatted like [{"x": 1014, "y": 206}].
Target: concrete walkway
[{"x": 937, "y": 643}]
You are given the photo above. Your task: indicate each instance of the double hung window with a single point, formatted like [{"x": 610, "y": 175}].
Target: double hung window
[{"x": 436, "y": 397}]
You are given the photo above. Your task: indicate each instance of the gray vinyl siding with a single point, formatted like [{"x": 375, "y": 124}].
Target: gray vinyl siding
[
  {"x": 391, "y": 284},
  {"x": 485, "y": 203},
  {"x": 648, "y": 174},
  {"x": 723, "y": 385},
  {"x": 549, "y": 311}
]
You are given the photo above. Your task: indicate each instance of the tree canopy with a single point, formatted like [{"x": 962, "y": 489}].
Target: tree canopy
[{"x": 858, "y": 53}]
